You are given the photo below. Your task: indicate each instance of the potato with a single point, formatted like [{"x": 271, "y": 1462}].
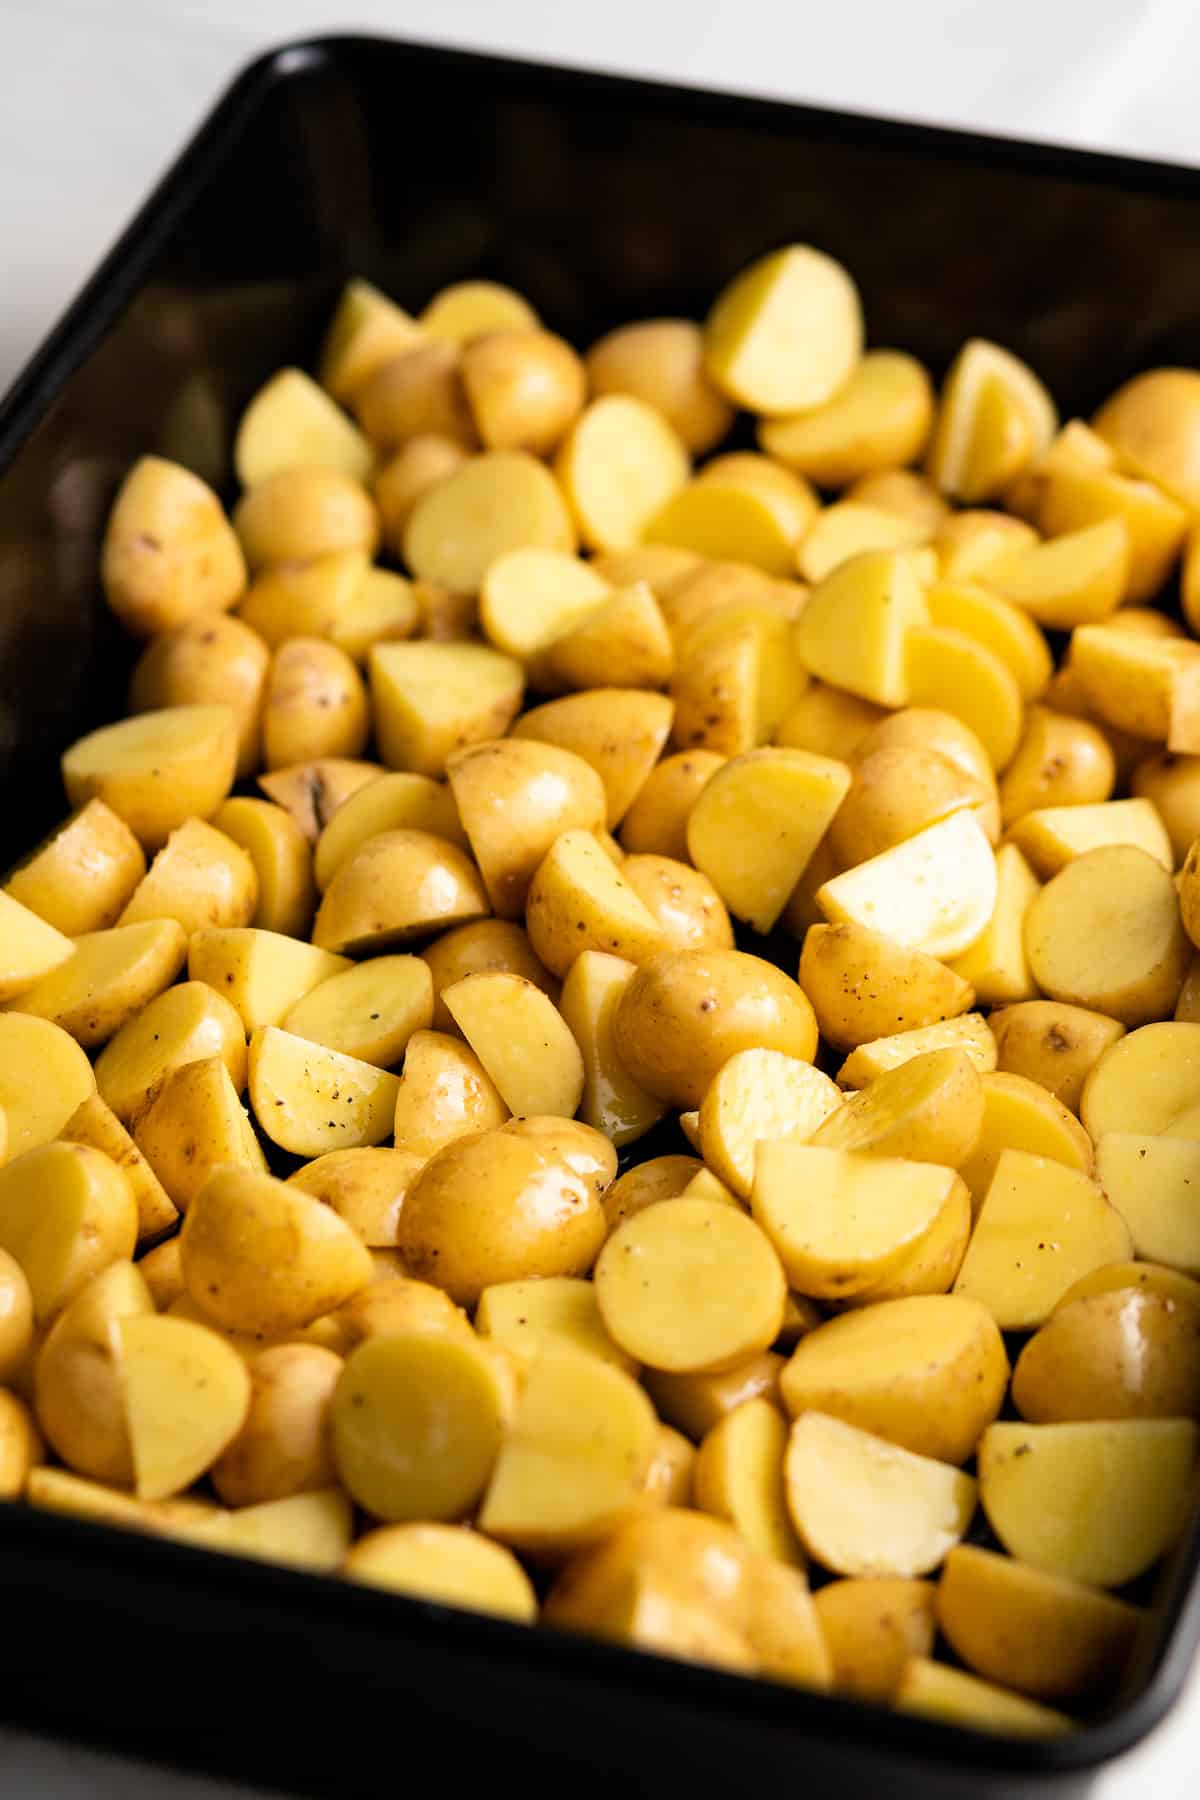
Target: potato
[
  {"x": 528, "y": 1317},
  {"x": 182, "y": 1024},
  {"x": 853, "y": 631},
  {"x": 298, "y": 514},
  {"x": 688, "y": 1011},
  {"x": 863, "y": 985},
  {"x": 366, "y": 331},
  {"x": 930, "y": 1109},
  {"x": 1055, "y": 1045},
  {"x": 416, "y": 392},
  {"x": 304, "y": 1531},
  {"x": 1060, "y": 762},
  {"x": 169, "y": 553},
  {"x": 999, "y": 626},
  {"x": 368, "y": 1014},
  {"x": 569, "y": 1470},
  {"x": 291, "y": 423},
  {"x": 786, "y": 333},
  {"x": 498, "y": 501},
  {"x": 1144, "y": 1277},
  {"x": 1105, "y": 934},
  {"x": 965, "y": 542},
  {"x": 695, "y": 1403},
  {"x": 56, "y": 1491},
  {"x": 646, "y": 1183},
  {"x": 397, "y": 886},
  {"x": 873, "y": 1627},
  {"x": 261, "y": 973},
  {"x": 1072, "y": 497},
  {"x": 618, "y": 465},
  {"x": 384, "y": 607},
  {"x": 1096, "y": 1502},
  {"x": 990, "y": 400},
  {"x": 622, "y": 642},
  {"x": 531, "y": 596},
  {"x": 721, "y": 686},
  {"x": 304, "y": 599},
  {"x": 1053, "y": 836},
  {"x": 16, "y": 1317},
  {"x": 1169, "y": 783},
  {"x": 668, "y": 1480},
  {"x": 578, "y": 900},
  {"x": 1149, "y": 1180},
  {"x": 209, "y": 660},
  {"x": 431, "y": 699},
  {"x": 314, "y": 704},
  {"x": 612, "y": 1101},
  {"x": 754, "y": 828},
  {"x": 108, "y": 979},
  {"x": 1019, "y": 1266},
  {"x": 232, "y": 1264},
  {"x": 21, "y": 1448},
  {"x": 193, "y": 1124},
  {"x": 946, "y": 670},
  {"x": 760, "y": 1095},
  {"x": 1019, "y": 1114},
  {"x": 66, "y": 1213},
  {"x": 448, "y": 1564},
  {"x": 929, "y": 1267},
  {"x": 928, "y": 1373},
  {"x": 388, "y": 802},
  {"x": 418, "y": 465},
  {"x": 841, "y": 1222},
  {"x": 284, "y": 1445},
  {"x": 996, "y": 964},
  {"x": 934, "y": 1691},
  {"x": 878, "y": 420},
  {"x": 310, "y": 1099},
  {"x": 1149, "y": 686},
  {"x": 80, "y": 877},
  {"x": 1128, "y": 1353},
  {"x": 738, "y": 1475},
  {"x": 522, "y": 1042},
  {"x": 157, "y": 769},
  {"x": 619, "y": 731},
  {"x": 653, "y": 1266},
  {"x": 418, "y": 1421},
  {"x": 936, "y": 891},
  {"x": 1065, "y": 695},
  {"x": 740, "y": 508},
  {"x": 186, "y": 1394},
  {"x": 849, "y": 529},
  {"x": 468, "y": 309},
  {"x": 514, "y": 799},
  {"x": 44, "y": 1078},
  {"x": 865, "y": 1507},
  {"x": 1047, "y": 1636},
  {"x": 282, "y": 860},
  {"x": 1151, "y": 424},
  {"x": 486, "y": 945},
  {"x": 660, "y": 362},
  {"x": 444, "y": 1093},
  {"x": 896, "y": 792},
  {"x": 524, "y": 387},
  {"x": 1144, "y": 1081},
  {"x": 161, "y": 1272},
  {"x": 656, "y": 823},
  {"x": 366, "y": 1187},
  {"x": 78, "y": 1392},
  {"x": 969, "y": 1034}
]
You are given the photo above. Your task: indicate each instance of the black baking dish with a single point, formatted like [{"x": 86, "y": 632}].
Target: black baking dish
[{"x": 603, "y": 200}]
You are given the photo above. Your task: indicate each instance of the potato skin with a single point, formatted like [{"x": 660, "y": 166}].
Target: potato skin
[
  {"x": 285, "y": 1445},
  {"x": 1052, "y": 1043},
  {"x": 863, "y": 986},
  {"x": 169, "y": 551}
]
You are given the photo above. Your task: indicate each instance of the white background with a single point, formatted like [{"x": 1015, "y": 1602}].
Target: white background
[{"x": 96, "y": 95}]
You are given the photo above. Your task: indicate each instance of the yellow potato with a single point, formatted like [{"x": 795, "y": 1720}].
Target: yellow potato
[
  {"x": 865, "y": 1507},
  {"x": 304, "y": 1531},
  {"x": 622, "y": 641},
  {"x": 760, "y": 1095},
  {"x": 1145, "y": 1277},
  {"x": 684, "y": 901},
  {"x": 934, "y": 1691},
  {"x": 862, "y": 985},
  {"x": 524, "y": 387},
  {"x": 292, "y": 423},
  {"x": 298, "y": 514},
  {"x": 498, "y": 501},
  {"x": 853, "y": 631},
  {"x": 499, "y": 1206},
  {"x": 467, "y": 309},
  {"x": 930, "y": 1109},
  {"x": 969, "y": 1034},
  {"x": 521, "y": 1040},
  {"x": 1026, "y": 1629},
  {"x": 737, "y": 676},
  {"x": 181, "y": 1025},
  {"x": 932, "y": 1263},
  {"x": 311, "y": 792},
  {"x": 309, "y": 1099},
  {"x": 78, "y": 1395},
  {"x": 935, "y": 892},
  {"x": 841, "y": 1221},
  {"x": 162, "y": 1274},
  {"x": 1152, "y": 423},
  {"x": 668, "y": 1479},
  {"x": 1127, "y": 1353},
  {"x": 417, "y": 392},
  {"x": 569, "y": 1471},
  {"x": 1149, "y": 1181},
  {"x": 879, "y": 420},
  {"x": 619, "y": 731},
  {"x": 260, "y": 1256},
  {"x": 686, "y": 1012},
  {"x": 16, "y": 1317},
  {"x": 304, "y": 599},
  {"x": 200, "y": 878},
  {"x": 695, "y": 1403},
  {"x": 514, "y": 798},
  {"x": 1060, "y": 762},
  {"x": 994, "y": 416},
  {"x": 444, "y": 1093},
  {"x": 579, "y": 900},
  {"x": 997, "y": 964},
  {"x": 786, "y": 333},
  {"x": 619, "y": 464},
  {"x": 1143, "y": 1082},
  {"x": 186, "y": 1394},
  {"x": 708, "y": 588},
  {"x": 753, "y": 512},
  {"x": 261, "y": 973},
  {"x": 314, "y": 704},
  {"x": 210, "y": 660},
  {"x": 656, "y": 823},
  {"x": 282, "y": 860},
  {"x": 193, "y": 1124},
  {"x": 1187, "y": 1007},
  {"x": 1041, "y": 1227},
  {"x": 690, "y": 1285},
  {"x": 661, "y": 362},
  {"x": 44, "y": 1078},
  {"x": 395, "y": 1304},
  {"x": 169, "y": 553},
  {"x": 848, "y": 529},
  {"x": 366, "y": 331},
  {"x": 1149, "y": 686},
  {"x": 80, "y": 877},
  {"x": 486, "y": 945},
  {"x": 612, "y": 1101},
  {"x": 411, "y": 471},
  {"x": 1055, "y": 1045},
  {"x": 896, "y": 792},
  {"x": 391, "y": 802},
  {"x": 431, "y": 699},
  {"x": 1073, "y": 497},
  {"x": 531, "y": 597},
  {"x": 528, "y": 1317},
  {"x": 873, "y": 1627},
  {"x": 448, "y": 1564},
  {"x": 999, "y": 626},
  {"x": 157, "y": 769},
  {"x": 946, "y": 670},
  {"x": 284, "y": 1444},
  {"x": 66, "y": 1213},
  {"x": 108, "y": 977},
  {"x": 56, "y": 1491},
  {"x": 366, "y": 1187},
  {"x": 646, "y": 1183},
  {"x": 754, "y": 828},
  {"x": 928, "y": 1373},
  {"x": 21, "y": 1449},
  {"x": 738, "y": 1475},
  {"x": 1096, "y": 1501},
  {"x": 966, "y": 542},
  {"x": 397, "y": 886},
  {"x": 1019, "y": 1114},
  {"x": 1105, "y": 934},
  {"x": 904, "y": 491},
  {"x": 1053, "y": 836},
  {"x": 1169, "y": 783}
]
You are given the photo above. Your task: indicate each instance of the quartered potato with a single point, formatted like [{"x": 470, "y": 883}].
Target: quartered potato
[
  {"x": 449, "y": 1564},
  {"x": 309, "y": 1099},
  {"x": 158, "y": 769},
  {"x": 169, "y": 552},
  {"x": 873, "y": 1627},
  {"x": 863, "y": 985},
  {"x": 760, "y": 1095},
  {"x": 80, "y": 878}
]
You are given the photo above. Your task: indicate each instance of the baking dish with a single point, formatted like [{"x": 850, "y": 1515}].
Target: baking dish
[{"x": 603, "y": 200}]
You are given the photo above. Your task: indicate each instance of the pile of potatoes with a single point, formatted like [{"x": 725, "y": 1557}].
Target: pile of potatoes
[{"x": 404, "y": 900}]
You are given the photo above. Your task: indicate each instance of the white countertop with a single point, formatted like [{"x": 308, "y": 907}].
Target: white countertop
[{"x": 97, "y": 95}]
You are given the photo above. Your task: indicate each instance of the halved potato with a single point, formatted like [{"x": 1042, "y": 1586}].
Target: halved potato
[
  {"x": 444, "y": 1093},
  {"x": 429, "y": 699},
  {"x": 786, "y": 332},
  {"x": 522, "y": 1041},
  {"x": 448, "y": 1564},
  {"x": 620, "y": 731},
  {"x": 44, "y": 1078},
  {"x": 186, "y": 1396},
  {"x": 738, "y": 1475},
  {"x": 109, "y": 977},
  {"x": 309, "y": 1099},
  {"x": 612, "y": 1101},
  {"x": 80, "y": 877},
  {"x": 760, "y": 1095},
  {"x": 398, "y": 886},
  {"x": 935, "y": 892},
  {"x": 862, "y": 985},
  {"x": 969, "y": 1034},
  {"x": 853, "y": 631},
  {"x": 156, "y": 769}
]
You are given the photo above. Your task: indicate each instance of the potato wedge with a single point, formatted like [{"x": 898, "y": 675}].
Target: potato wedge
[
  {"x": 109, "y": 977},
  {"x": 969, "y": 1034},
  {"x": 531, "y": 1316},
  {"x": 448, "y": 1564},
  {"x": 656, "y": 823},
  {"x": 760, "y": 1095},
  {"x": 169, "y": 553},
  {"x": 661, "y": 362},
  {"x": 738, "y": 1475},
  {"x": 578, "y": 900},
  {"x": 945, "y": 669},
  {"x": 32, "y": 949},
  {"x": 863, "y": 985},
  {"x": 515, "y": 797},
  {"x": 282, "y": 860},
  {"x": 619, "y": 464},
  {"x": 157, "y": 769},
  {"x": 368, "y": 1011},
  {"x": 181, "y": 1025},
  {"x": 501, "y": 500},
  {"x": 298, "y": 514},
  {"x": 1020, "y": 1115},
  {"x": 1149, "y": 1180},
  {"x": 930, "y": 1109},
  {"x": 77, "y": 1389},
  {"x": 619, "y": 731},
  {"x": 444, "y": 1093},
  {"x": 853, "y": 631},
  {"x": 612, "y": 1101},
  {"x": 261, "y": 973},
  {"x": 44, "y": 1078},
  {"x": 66, "y": 1213},
  {"x": 194, "y": 1124},
  {"x": 429, "y": 699},
  {"x": 521, "y": 1040},
  {"x": 80, "y": 877},
  {"x": 996, "y": 964},
  {"x": 186, "y": 1396},
  {"x": 873, "y": 1627},
  {"x": 400, "y": 885},
  {"x": 935, "y": 1691},
  {"x": 1060, "y": 762},
  {"x": 935, "y": 892},
  {"x": 309, "y": 1099},
  {"x": 879, "y": 419},
  {"x": 786, "y": 333},
  {"x": 1144, "y": 1081},
  {"x": 290, "y": 423},
  {"x": 524, "y": 387}
]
